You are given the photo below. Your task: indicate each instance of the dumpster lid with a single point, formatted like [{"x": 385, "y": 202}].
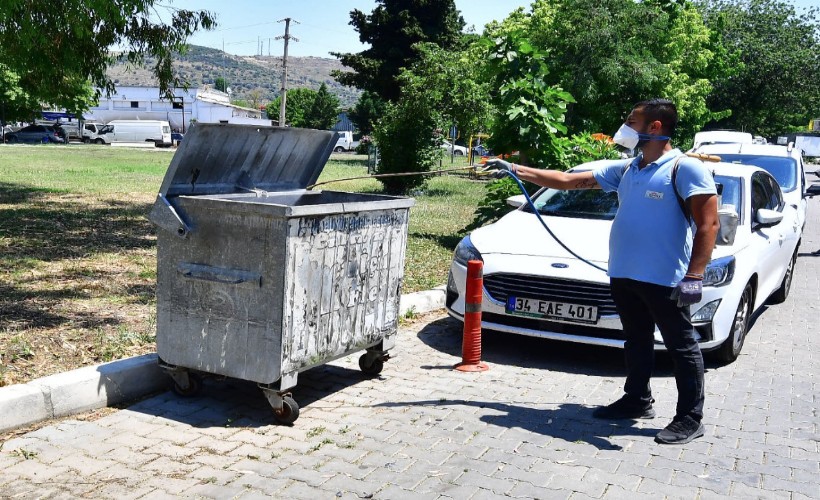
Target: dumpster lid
[{"x": 220, "y": 158}]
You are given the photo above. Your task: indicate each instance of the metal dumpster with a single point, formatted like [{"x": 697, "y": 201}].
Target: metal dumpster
[{"x": 259, "y": 278}]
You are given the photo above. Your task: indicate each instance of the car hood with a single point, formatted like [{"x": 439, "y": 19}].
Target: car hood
[
  {"x": 520, "y": 233},
  {"x": 519, "y": 244}
]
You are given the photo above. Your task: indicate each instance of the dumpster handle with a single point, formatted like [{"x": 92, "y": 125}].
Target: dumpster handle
[
  {"x": 218, "y": 274},
  {"x": 165, "y": 216}
]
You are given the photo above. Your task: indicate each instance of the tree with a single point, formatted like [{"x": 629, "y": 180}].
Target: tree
[
  {"x": 407, "y": 142},
  {"x": 57, "y": 49},
  {"x": 324, "y": 111},
  {"x": 776, "y": 85},
  {"x": 221, "y": 84},
  {"x": 593, "y": 53},
  {"x": 530, "y": 111},
  {"x": 307, "y": 108},
  {"x": 255, "y": 97},
  {"x": 453, "y": 82},
  {"x": 367, "y": 111},
  {"x": 391, "y": 30},
  {"x": 298, "y": 103}
]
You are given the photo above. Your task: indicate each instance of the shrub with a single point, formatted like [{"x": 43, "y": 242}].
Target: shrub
[{"x": 407, "y": 143}]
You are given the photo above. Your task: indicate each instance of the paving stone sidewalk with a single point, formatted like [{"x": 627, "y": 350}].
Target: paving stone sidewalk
[{"x": 421, "y": 430}]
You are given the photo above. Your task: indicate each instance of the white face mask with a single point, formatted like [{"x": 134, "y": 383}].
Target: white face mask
[
  {"x": 627, "y": 137},
  {"x": 630, "y": 138}
]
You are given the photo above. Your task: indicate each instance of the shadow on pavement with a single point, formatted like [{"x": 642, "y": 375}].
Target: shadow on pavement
[
  {"x": 445, "y": 335},
  {"x": 569, "y": 422},
  {"x": 227, "y": 402}
]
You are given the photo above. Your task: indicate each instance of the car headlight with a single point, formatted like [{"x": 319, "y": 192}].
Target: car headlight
[
  {"x": 719, "y": 272},
  {"x": 465, "y": 251}
]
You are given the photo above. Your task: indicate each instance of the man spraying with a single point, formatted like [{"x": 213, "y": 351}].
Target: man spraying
[{"x": 657, "y": 257}]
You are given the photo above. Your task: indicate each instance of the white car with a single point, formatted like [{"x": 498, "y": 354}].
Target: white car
[
  {"x": 527, "y": 271},
  {"x": 453, "y": 149},
  {"x": 722, "y": 137},
  {"x": 785, "y": 163}
]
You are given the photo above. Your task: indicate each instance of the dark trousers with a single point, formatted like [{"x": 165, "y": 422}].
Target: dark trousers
[{"x": 641, "y": 306}]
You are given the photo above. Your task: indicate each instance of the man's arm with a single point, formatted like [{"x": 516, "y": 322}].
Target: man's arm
[
  {"x": 556, "y": 179},
  {"x": 703, "y": 208}
]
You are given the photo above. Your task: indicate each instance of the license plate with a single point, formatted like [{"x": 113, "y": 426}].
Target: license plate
[{"x": 552, "y": 310}]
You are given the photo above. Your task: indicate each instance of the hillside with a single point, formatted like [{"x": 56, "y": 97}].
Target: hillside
[{"x": 202, "y": 65}]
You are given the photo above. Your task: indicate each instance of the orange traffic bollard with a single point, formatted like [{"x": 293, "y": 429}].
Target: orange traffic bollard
[{"x": 471, "y": 345}]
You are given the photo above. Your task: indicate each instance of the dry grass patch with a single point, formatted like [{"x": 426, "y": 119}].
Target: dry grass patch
[{"x": 78, "y": 282}]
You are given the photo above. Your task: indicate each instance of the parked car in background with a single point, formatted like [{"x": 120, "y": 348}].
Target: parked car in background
[
  {"x": 481, "y": 150},
  {"x": 532, "y": 286},
  {"x": 722, "y": 137},
  {"x": 37, "y": 134},
  {"x": 785, "y": 163},
  {"x": 453, "y": 149},
  {"x": 5, "y": 130}
]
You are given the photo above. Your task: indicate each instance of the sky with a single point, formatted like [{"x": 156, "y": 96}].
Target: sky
[
  {"x": 245, "y": 25},
  {"x": 323, "y": 24}
]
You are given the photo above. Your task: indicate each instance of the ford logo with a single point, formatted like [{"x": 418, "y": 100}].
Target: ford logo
[{"x": 559, "y": 265}]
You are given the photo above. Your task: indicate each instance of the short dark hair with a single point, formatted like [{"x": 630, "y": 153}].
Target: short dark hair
[{"x": 662, "y": 110}]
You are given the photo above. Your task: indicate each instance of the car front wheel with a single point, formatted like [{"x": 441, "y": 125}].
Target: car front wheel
[{"x": 731, "y": 347}]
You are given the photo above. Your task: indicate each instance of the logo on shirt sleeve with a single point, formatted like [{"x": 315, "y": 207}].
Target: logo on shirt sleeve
[{"x": 654, "y": 195}]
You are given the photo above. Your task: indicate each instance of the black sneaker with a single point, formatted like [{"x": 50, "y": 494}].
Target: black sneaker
[
  {"x": 680, "y": 431},
  {"x": 625, "y": 408}
]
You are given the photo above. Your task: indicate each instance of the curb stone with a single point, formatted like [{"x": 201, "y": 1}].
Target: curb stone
[{"x": 123, "y": 380}]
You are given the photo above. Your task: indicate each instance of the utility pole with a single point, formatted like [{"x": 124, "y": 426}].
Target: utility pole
[{"x": 284, "y": 94}]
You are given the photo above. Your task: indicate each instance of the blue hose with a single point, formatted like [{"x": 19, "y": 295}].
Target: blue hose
[{"x": 538, "y": 215}]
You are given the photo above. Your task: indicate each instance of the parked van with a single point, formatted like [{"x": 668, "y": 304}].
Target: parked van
[
  {"x": 96, "y": 132},
  {"x": 156, "y": 131}
]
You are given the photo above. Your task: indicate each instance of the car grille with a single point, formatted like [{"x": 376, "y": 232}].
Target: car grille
[
  {"x": 500, "y": 286},
  {"x": 553, "y": 326}
]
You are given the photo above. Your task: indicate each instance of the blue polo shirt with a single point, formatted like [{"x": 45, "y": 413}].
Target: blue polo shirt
[{"x": 651, "y": 239}]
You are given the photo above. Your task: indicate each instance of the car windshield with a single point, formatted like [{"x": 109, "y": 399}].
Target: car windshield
[
  {"x": 598, "y": 204},
  {"x": 580, "y": 203},
  {"x": 784, "y": 170}
]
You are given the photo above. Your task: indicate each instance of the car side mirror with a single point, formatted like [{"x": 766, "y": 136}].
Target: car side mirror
[
  {"x": 516, "y": 201},
  {"x": 813, "y": 190},
  {"x": 768, "y": 218}
]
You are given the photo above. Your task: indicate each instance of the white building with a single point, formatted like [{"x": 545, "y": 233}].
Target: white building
[{"x": 198, "y": 104}]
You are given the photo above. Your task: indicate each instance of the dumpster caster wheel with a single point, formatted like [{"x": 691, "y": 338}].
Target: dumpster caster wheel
[
  {"x": 289, "y": 412},
  {"x": 194, "y": 386},
  {"x": 374, "y": 368}
]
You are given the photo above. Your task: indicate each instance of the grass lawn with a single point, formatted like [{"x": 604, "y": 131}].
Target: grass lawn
[{"x": 78, "y": 255}]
